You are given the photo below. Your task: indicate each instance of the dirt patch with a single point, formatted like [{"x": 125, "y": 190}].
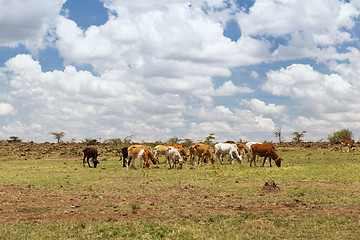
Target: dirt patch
[
  {"x": 31, "y": 204},
  {"x": 270, "y": 187}
]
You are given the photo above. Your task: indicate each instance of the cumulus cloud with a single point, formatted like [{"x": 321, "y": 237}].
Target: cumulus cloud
[
  {"x": 303, "y": 25},
  {"x": 261, "y": 107},
  {"x": 27, "y": 22},
  {"x": 314, "y": 92},
  {"x": 6, "y": 109}
]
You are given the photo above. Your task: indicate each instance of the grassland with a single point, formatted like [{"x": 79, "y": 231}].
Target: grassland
[{"x": 49, "y": 195}]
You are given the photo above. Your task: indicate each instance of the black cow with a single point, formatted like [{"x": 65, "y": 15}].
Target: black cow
[
  {"x": 124, "y": 153},
  {"x": 92, "y": 153}
]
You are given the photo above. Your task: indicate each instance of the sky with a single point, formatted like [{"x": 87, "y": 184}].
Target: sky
[{"x": 158, "y": 69}]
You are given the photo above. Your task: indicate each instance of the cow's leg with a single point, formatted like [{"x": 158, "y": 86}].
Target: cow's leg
[
  {"x": 88, "y": 161},
  {"x": 220, "y": 159},
  {"x": 133, "y": 162},
  {"x": 84, "y": 161},
  {"x": 168, "y": 160},
  {"x": 264, "y": 161}
]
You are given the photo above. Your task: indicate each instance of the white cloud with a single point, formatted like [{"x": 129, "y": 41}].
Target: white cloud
[
  {"x": 229, "y": 89},
  {"x": 6, "y": 109},
  {"x": 27, "y": 22},
  {"x": 261, "y": 107},
  {"x": 315, "y": 93},
  {"x": 304, "y": 25}
]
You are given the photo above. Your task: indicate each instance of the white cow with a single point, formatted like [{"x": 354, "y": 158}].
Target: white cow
[
  {"x": 173, "y": 154},
  {"x": 222, "y": 149}
]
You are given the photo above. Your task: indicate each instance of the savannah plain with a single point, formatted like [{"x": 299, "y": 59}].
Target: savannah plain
[{"x": 46, "y": 193}]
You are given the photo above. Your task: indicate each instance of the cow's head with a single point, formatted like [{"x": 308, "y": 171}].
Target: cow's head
[
  {"x": 278, "y": 162},
  {"x": 96, "y": 162},
  {"x": 212, "y": 159}
]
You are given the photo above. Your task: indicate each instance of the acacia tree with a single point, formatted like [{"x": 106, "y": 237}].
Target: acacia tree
[
  {"x": 208, "y": 139},
  {"x": 58, "y": 135},
  {"x": 277, "y": 133},
  {"x": 297, "y": 137},
  {"x": 14, "y": 139}
]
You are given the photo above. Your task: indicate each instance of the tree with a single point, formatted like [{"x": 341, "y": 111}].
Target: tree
[
  {"x": 277, "y": 133},
  {"x": 208, "y": 139},
  {"x": 187, "y": 142},
  {"x": 297, "y": 137},
  {"x": 14, "y": 139},
  {"x": 58, "y": 135},
  {"x": 338, "y": 135},
  {"x": 174, "y": 140}
]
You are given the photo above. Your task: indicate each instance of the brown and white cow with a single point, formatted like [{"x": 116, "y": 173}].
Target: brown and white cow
[
  {"x": 266, "y": 151},
  {"x": 243, "y": 148},
  {"x": 144, "y": 153},
  {"x": 181, "y": 149},
  {"x": 347, "y": 143}
]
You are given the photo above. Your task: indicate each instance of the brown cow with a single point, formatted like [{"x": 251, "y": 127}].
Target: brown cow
[
  {"x": 192, "y": 153},
  {"x": 204, "y": 153},
  {"x": 347, "y": 143},
  {"x": 143, "y": 153},
  {"x": 92, "y": 153},
  {"x": 181, "y": 149},
  {"x": 266, "y": 151},
  {"x": 243, "y": 148}
]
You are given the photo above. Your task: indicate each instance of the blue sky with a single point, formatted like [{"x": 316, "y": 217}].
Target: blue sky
[{"x": 158, "y": 69}]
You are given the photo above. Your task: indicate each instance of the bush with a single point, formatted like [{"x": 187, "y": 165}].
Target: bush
[{"x": 342, "y": 134}]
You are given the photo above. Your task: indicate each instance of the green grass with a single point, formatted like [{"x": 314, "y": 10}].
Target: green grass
[{"x": 318, "y": 199}]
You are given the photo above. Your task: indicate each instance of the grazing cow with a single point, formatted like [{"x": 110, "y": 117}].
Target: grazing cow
[
  {"x": 222, "y": 149},
  {"x": 160, "y": 150},
  {"x": 248, "y": 145},
  {"x": 243, "y": 148},
  {"x": 204, "y": 153},
  {"x": 92, "y": 153},
  {"x": 266, "y": 151},
  {"x": 192, "y": 153},
  {"x": 145, "y": 156},
  {"x": 181, "y": 148},
  {"x": 346, "y": 143},
  {"x": 124, "y": 156},
  {"x": 173, "y": 154}
]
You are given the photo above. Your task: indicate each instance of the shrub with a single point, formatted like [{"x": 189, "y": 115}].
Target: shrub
[{"x": 342, "y": 134}]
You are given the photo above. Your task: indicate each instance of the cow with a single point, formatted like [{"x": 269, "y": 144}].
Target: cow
[
  {"x": 173, "y": 154},
  {"x": 92, "y": 153},
  {"x": 181, "y": 149},
  {"x": 124, "y": 156},
  {"x": 346, "y": 143},
  {"x": 160, "y": 150},
  {"x": 266, "y": 151},
  {"x": 248, "y": 145},
  {"x": 204, "y": 153},
  {"x": 243, "y": 148},
  {"x": 145, "y": 156},
  {"x": 222, "y": 149},
  {"x": 192, "y": 153}
]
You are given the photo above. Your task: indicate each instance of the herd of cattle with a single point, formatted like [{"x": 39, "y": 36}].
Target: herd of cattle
[{"x": 176, "y": 154}]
